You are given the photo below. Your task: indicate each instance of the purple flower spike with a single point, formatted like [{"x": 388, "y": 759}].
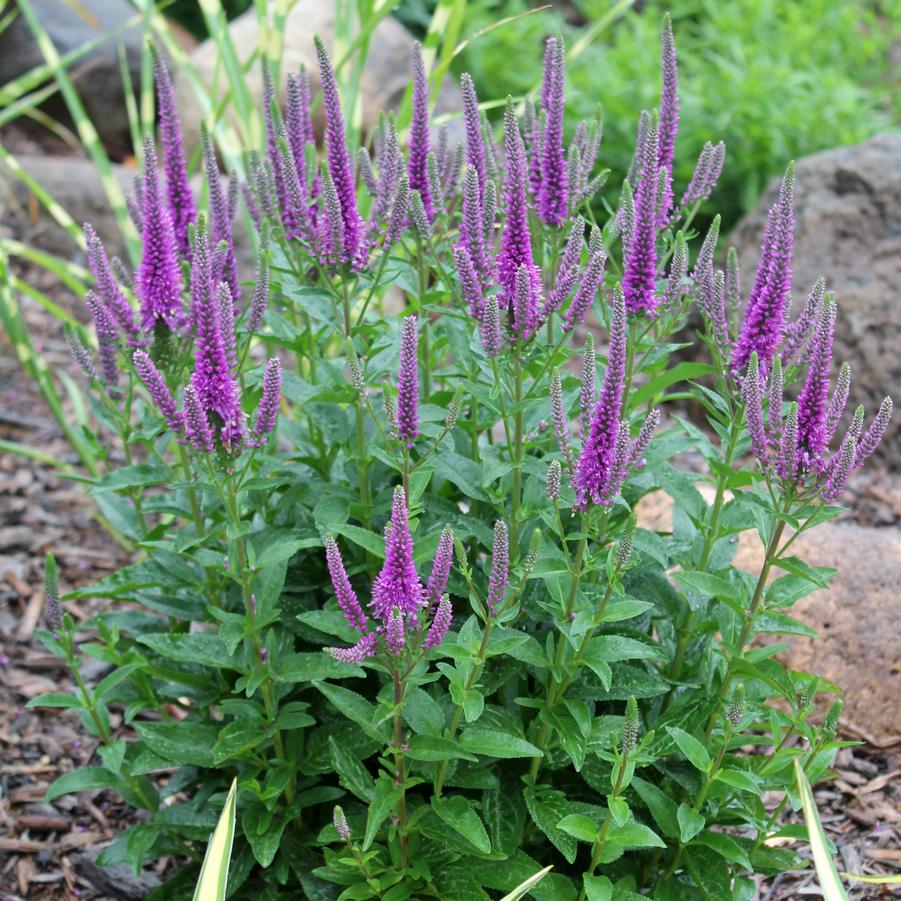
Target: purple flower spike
[
  {"x": 395, "y": 637},
  {"x": 516, "y": 242},
  {"x": 268, "y": 409},
  {"x": 841, "y": 470},
  {"x": 874, "y": 434},
  {"x": 362, "y": 650},
  {"x": 500, "y": 568},
  {"x": 441, "y": 566},
  {"x": 330, "y": 223},
  {"x": 787, "y": 467},
  {"x": 568, "y": 270},
  {"x": 339, "y": 163},
  {"x": 592, "y": 478},
  {"x": 109, "y": 291},
  {"x": 408, "y": 383},
  {"x": 775, "y": 390},
  {"x": 490, "y": 327},
  {"x": 554, "y": 191},
  {"x": 440, "y": 624},
  {"x": 469, "y": 281},
  {"x": 678, "y": 270},
  {"x": 472, "y": 235},
  {"x": 525, "y": 306},
  {"x": 397, "y": 585},
  {"x": 669, "y": 116},
  {"x": 226, "y": 310},
  {"x": 220, "y": 216},
  {"x": 260, "y": 295},
  {"x": 178, "y": 190},
  {"x": 814, "y": 396},
  {"x": 558, "y": 418},
  {"x": 643, "y": 439},
  {"x": 753, "y": 396},
  {"x": 640, "y": 262},
  {"x": 400, "y": 212},
  {"x": 707, "y": 172},
  {"x": 344, "y": 593},
  {"x": 554, "y": 480},
  {"x": 197, "y": 424},
  {"x": 587, "y": 291},
  {"x": 158, "y": 389},
  {"x": 839, "y": 400},
  {"x": 419, "y": 133},
  {"x": 472, "y": 119},
  {"x": 107, "y": 339},
  {"x": 212, "y": 379},
  {"x": 798, "y": 332},
  {"x": 762, "y": 327},
  {"x": 588, "y": 391},
  {"x": 158, "y": 279}
]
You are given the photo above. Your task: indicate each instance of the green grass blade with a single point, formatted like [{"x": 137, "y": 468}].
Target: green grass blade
[
  {"x": 31, "y": 453},
  {"x": 874, "y": 880},
  {"x": 830, "y": 882},
  {"x": 86, "y": 130},
  {"x": 213, "y": 880},
  {"x": 527, "y": 886},
  {"x": 75, "y": 277}
]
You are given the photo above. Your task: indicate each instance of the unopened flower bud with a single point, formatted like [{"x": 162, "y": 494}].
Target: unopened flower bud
[
  {"x": 736, "y": 708},
  {"x": 630, "y": 725},
  {"x": 554, "y": 475},
  {"x": 51, "y": 594},
  {"x": 340, "y": 823},
  {"x": 531, "y": 558},
  {"x": 805, "y": 697},
  {"x": 624, "y": 551},
  {"x": 356, "y": 373},
  {"x": 453, "y": 411},
  {"x": 830, "y": 724}
]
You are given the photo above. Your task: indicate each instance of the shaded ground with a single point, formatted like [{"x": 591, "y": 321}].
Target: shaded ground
[{"x": 45, "y": 849}]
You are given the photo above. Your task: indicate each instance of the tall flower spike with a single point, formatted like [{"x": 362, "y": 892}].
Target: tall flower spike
[
  {"x": 260, "y": 296},
  {"x": 775, "y": 391},
  {"x": 643, "y": 439},
  {"x": 107, "y": 340},
  {"x": 798, "y": 332},
  {"x": 469, "y": 281},
  {"x": 440, "y": 624},
  {"x": 787, "y": 467},
  {"x": 421, "y": 224},
  {"x": 158, "y": 279},
  {"x": 558, "y": 418},
  {"x": 490, "y": 327},
  {"x": 753, "y": 397},
  {"x": 435, "y": 190},
  {"x": 554, "y": 480},
  {"x": 269, "y": 401},
  {"x": 109, "y": 291},
  {"x": 197, "y": 424},
  {"x": 525, "y": 307},
  {"x": 640, "y": 262},
  {"x": 441, "y": 567},
  {"x": 472, "y": 120},
  {"x": 841, "y": 470},
  {"x": 397, "y": 585},
  {"x": 568, "y": 269},
  {"x": 81, "y": 355},
  {"x": 212, "y": 379},
  {"x": 669, "y": 116},
  {"x": 270, "y": 111},
  {"x": 408, "y": 383},
  {"x": 595, "y": 463},
  {"x": 871, "y": 439},
  {"x": 839, "y": 400},
  {"x": 472, "y": 234},
  {"x": 298, "y": 126},
  {"x": 814, "y": 397},
  {"x": 54, "y": 607},
  {"x": 762, "y": 327},
  {"x": 706, "y": 174},
  {"x": 339, "y": 162},
  {"x": 489, "y": 210},
  {"x": 678, "y": 270},
  {"x": 553, "y": 194},
  {"x": 589, "y": 284},
  {"x": 330, "y": 222},
  {"x": 220, "y": 219},
  {"x": 395, "y": 637},
  {"x": 419, "y": 133},
  {"x": 733, "y": 282},
  {"x": 158, "y": 389},
  {"x": 588, "y": 391},
  {"x": 400, "y": 212},
  {"x": 178, "y": 190},
  {"x": 500, "y": 568},
  {"x": 516, "y": 242},
  {"x": 226, "y": 311},
  {"x": 344, "y": 592},
  {"x": 362, "y": 650}
]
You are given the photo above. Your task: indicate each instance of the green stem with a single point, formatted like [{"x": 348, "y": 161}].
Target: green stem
[
  {"x": 362, "y": 468},
  {"x": 517, "y": 454},
  {"x": 598, "y": 846},
  {"x": 399, "y": 768}
]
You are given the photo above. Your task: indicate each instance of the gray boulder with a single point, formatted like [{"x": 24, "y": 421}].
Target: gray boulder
[
  {"x": 848, "y": 230},
  {"x": 384, "y": 80},
  {"x": 98, "y": 75}
]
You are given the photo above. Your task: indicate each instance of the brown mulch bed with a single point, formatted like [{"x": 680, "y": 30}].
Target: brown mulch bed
[{"x": 46, "y": 849}]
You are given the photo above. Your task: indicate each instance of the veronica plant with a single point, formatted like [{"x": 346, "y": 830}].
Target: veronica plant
[{"x": 391, "y": 547}]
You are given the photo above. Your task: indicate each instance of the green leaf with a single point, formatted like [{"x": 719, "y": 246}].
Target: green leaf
[
  {"x": 618, "y": 611},
  {"x": 184, "y": 744},
  {"x": 371, "y": 542},
  {"x": 263, "y": 832},
  {"x": 691, "y": 748},
  {"x": 504, "y": 814},
  {"x": 740, "y": 779},
  {"x": 384, "y": 801},
  {"x": 458, "y": 813},
  {"x": 354, "y": 706},
  {"x": 636, "y": 835},
  {"x": 423, "y": 713},
  {"x": 213, "y": 880},
  {"x": 690, "y": 822},
  {"x": 313, "y": 666},
  {"x": 548, "y": 808},
  {"x": 725, "y": 846},
  {"x": 616, "y": 648},
  {"x": 204, "y": 648},
  {"x": 137, "y": 476},
  {"x": 351, "y": 772},
  {"x": 56, "y": 699},
  {"x": 85, "y": 778},
  {"x": 491, "y": 743},
  {"x": 580, "y": 827},
  {"x": 662, "y": 807},
  {"x": 525, "y": 887},
  {"x": 597, "y": 888},
  {"x": 433, "y": 749}
]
